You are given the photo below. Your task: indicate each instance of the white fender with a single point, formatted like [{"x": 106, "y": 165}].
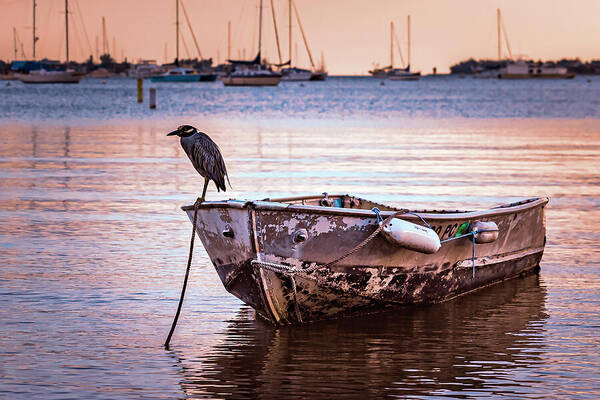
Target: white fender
[
  {"x": 411, "y": 236},
  {"x": 485, "y": 231}
]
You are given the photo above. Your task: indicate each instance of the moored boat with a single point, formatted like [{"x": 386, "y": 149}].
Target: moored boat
[
  {"x": 397, "y": 74},
  {"x": 184, "y": 75},
  {"x": 38, "y": 72},
  {"x": 318, "y": 257},
  {"x": 254, "y": 72},
  {"x": 525, "y": 70},
  {"x": 251, "y": 75},
  {"x": 519, "y": 69},
  {"x": 44, "y": 76},
  {"x": 293, "y": 73},
  {"x": 404, "y": 74},
  {"x": 296, "y": 74}
]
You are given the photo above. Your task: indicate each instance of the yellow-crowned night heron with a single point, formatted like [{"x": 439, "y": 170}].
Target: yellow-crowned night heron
[{"x": 204, "y": 155}]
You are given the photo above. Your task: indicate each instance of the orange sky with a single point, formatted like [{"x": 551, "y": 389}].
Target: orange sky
[{"x": 352, "y": 34}]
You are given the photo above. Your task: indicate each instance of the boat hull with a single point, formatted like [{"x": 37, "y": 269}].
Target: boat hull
[
  {"x": 536, "y": 76},
  {"x": 295, "y": 74},
  {"x": 318, "y": 76},
  {"x": 255, "y": 259},
  {"x": 185, "y": 78},
  {"x": 63, "y": 77},
  {"x": 252, "y": 80},
  {"x": 407, "y": 77}
]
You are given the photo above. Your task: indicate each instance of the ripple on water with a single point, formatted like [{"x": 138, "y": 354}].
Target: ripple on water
[{"x": 94, "y": 245}]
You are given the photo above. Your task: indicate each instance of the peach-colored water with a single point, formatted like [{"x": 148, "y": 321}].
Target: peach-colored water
[{"x": 93, "y": 248}]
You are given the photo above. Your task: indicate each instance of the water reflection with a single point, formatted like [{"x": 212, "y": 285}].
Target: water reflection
[
  {"x": 473, "y": 345},
  {"x": 93, "y": 246}
]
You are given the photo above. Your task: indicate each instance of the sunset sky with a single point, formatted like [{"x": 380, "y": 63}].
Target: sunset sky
[{"x": 353, "y": 35}]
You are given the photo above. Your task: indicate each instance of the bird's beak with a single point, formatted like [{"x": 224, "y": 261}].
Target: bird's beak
[{"x": 175, "y": 132}]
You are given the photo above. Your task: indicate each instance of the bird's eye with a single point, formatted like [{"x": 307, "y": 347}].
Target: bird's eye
[{"x": 180, "y": 128}]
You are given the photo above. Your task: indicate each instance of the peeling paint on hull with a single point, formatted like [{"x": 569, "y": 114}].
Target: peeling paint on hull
[{"x": 380, "y": 275}]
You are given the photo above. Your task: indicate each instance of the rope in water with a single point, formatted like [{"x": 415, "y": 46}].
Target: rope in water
[{"x": 187, "y": 273}]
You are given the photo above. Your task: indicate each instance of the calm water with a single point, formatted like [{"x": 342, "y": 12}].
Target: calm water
[{"x": 93, "y": 244}]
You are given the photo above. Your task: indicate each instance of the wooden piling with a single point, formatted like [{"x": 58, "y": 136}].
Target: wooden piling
[
  {"x": 152, "y": 98},
  {"x": 140, "y": 90}
]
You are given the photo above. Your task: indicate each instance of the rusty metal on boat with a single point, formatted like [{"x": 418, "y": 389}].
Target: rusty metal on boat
[{"x": 273, "y": 254}]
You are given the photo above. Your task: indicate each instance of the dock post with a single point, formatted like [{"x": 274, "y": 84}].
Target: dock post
[
  {"x": 140, "y": 90},
  {"x": 152, "y": 98}
]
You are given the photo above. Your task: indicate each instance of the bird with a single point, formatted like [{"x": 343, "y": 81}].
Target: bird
[{"x": 204, "y": 155}]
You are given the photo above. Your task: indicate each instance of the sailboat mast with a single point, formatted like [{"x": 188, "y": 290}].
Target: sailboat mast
[
  {"x": 104, "y": 40},
  {"x": 187, "y": 18},
  {"x": 229, "y": 40},
  {"x": 276, "y": 31},
  {"x": 177, "y": 31},
  {"x": 290, "y": 30},
  {"x": 67, "y": 28},
  {"x": 499, "y": 34},
  {"x": 34, "y": 37},
  {"x": 304, "y": 37},
  {"x": 391, "y": 43},
  {"x": 15, "y": 41},
  {"x": 260, "y": 33},
  {"x": 408, "y": 23}
]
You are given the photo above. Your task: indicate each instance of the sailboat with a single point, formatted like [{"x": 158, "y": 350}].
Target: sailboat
[
  {"x": 292, "y": 73},
  {"x": 404, "y": 74},
  {"x": 320, "y": 73},
  {"x": 179, "y": 74},
  {"x": 254, "y": 72},
  {"x": 42, "y": 73},
  {"x": 523, "y": 69},
  {"x": 383, "y": 72},
  {"x": 397, "y": 74}
]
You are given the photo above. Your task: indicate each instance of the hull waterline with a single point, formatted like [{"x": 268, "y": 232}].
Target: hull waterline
[{"x": 251, "y": 80}]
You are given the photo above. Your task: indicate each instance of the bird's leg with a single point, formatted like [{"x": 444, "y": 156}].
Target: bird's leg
[{"x": 206, "y": 180}]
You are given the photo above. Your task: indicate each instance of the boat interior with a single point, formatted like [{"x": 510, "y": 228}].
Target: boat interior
[
  {"x": 348, "y": 201},
  {"x": 338, "y": 200}
]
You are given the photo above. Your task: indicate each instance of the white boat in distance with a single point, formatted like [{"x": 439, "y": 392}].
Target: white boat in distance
[
  {"x": 296, "y": 74},
  {"x": 252, "y": 73},
  {"x": 397, "y": 74},
  {"x": 525, "y": 70},
  {"x": 519, "y": 69},
  {"x": 403, "y": 74},
  {"x": 43, "y": 76},
  {"x": 292, "y": 73}
]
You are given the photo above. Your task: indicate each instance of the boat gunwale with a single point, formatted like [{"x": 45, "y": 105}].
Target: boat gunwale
[{"x": 266, "y": 205}]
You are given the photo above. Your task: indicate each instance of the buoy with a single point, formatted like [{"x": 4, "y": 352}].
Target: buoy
[
  {"x": 140, "y": 90},
  {"x": 484, "y": 231},
  {"x": 152, "y": 98},
  {"x": 411, "y": 236}
]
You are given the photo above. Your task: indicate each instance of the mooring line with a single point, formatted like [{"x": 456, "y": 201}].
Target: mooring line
[{"x": 187, "y": 273}]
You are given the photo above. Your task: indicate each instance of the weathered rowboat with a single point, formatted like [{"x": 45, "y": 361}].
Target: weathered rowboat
[{"x": 317, "y": 257}]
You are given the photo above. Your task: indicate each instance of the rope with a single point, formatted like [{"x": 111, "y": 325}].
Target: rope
[
  {"x": 187, "y": 273},
  {"x": 292, "y": 270},
  {"x": 472, "y": 234}
]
